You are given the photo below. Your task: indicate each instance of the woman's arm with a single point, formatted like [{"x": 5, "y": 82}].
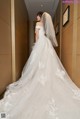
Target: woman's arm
[{"x": 36, "y": 32}]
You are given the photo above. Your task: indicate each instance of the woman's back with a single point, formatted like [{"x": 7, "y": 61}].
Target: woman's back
[{"x": 40, "y": 28}]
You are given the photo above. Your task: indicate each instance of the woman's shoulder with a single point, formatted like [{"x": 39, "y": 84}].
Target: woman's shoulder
[{"x": 39, "y": 23}]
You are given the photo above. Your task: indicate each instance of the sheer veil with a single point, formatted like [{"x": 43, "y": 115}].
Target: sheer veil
[{"x": 49, "y": 28}]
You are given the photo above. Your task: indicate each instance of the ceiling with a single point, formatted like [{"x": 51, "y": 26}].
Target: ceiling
[{"x": 33, "y": 6}]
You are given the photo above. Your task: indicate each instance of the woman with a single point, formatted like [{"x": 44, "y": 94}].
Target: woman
[
  {"x": 38, "y": 19},
  {"x": 45, "y": 90}
]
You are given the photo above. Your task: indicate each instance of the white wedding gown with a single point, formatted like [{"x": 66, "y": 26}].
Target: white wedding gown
[{"x": 44, "y": 90}]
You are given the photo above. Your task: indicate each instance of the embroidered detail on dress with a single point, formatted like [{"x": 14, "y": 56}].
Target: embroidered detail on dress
[
  {"x": 76, "y": 94},
  {"x": 52, "y": 109},
  {"x": 51, "y": 51},
  {"x": 42, "y": 79},
  {"x": 41, "y": 65},
  {"x": 60, "y": 73},
  {"x": 8, "y": 106}
]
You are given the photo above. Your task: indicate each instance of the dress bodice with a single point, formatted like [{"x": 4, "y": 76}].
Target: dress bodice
[{"x": 41, "y": 30}]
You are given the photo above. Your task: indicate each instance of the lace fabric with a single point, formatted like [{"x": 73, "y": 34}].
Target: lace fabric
[
  {"x": 52, "y": 109},
  {"x": 44, "y": 90}
]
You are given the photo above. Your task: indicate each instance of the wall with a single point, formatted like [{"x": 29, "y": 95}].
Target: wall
[
  {"x": 56, "y": 20},
  {"x": 67, "y": 41},
  {"x": 70, "y": 43},
  {"x": 31, "y": 35},
  {"x": 22, "y": 36},
  {"x": 5, "y": 45},
  {"x": 77, "y": 54}
]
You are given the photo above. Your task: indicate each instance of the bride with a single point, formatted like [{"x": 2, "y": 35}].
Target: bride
[{"x": 44, "y": 90}]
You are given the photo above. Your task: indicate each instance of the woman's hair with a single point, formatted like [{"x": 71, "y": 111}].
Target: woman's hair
[{"x": 39, "y": 13}]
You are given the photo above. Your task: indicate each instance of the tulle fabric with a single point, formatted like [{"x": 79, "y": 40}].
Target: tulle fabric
[
  {"x": 44, "y": 90},
  {"x": 49, "y": 28}
]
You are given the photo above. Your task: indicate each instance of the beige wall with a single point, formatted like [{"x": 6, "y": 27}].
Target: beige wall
[
  {"x": 22, "y": 35},
  {"x": 31, "y": 35},
  {"x": 56, "y": 20},
  {"x": 67, "y": 42},
  {"x": 21, "y": 41},
  {"x": 70, "y": 43},
  {"x": 5, "y": 44},
  {"x": 77, "y": 79}
]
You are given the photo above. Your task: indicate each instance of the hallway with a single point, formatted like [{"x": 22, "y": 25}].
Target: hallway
[{"x": 17, "y": 25}]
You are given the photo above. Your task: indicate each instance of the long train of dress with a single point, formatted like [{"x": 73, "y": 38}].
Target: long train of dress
[{"x": 44, "y": 90}]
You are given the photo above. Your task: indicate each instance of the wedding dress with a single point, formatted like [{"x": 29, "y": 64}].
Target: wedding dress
[{"x": 44, "y": 90}]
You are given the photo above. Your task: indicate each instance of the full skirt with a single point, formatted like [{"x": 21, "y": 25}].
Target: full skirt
[{"x": 44, "y": 90}]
